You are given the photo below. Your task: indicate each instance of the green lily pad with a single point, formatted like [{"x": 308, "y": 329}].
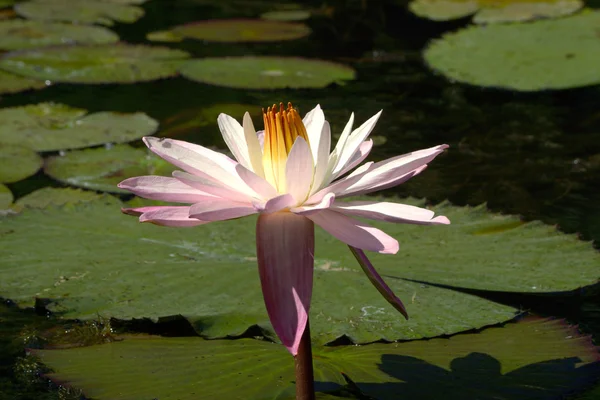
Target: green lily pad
[
  {"x": 510, "y": 56},
  {"x": 49, "y": 196},
  {"x": 491, "y": 11},
  {"x": 242, "y": 30},
  {"x": 266, "y": 72},
  {"x": 51, "y": 126},
  {"x": 533, "y": 359},
  {"x": 116, "y": 63},
  {"x": 20, "y": 34},
  {"x": 6, "y": 3},
  {"x": 208, "y": 275},
  {"x": 17, "y": 162},
  {"x": 11, "y": 83},
  {"x": 101, "y": 169},
  {"x": 286, "y": 15},
  {"x": 80, "y": 11},
  {"x": 6, "y": 197}
]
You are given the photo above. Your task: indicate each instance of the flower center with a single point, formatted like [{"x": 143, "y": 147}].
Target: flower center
[{"x": 282, "y": 127}]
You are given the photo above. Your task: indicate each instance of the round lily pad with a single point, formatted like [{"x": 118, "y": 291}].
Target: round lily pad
[
  {"x": 286, "y": 15},
  {"x": 11, "y": 83},
  {"x": 490, "y": 11},
  {"x": 50, "y": 196},
  {"x": 6, "y": 197},
  {"x": 266, "y": 72},
  {"x": 51, "y": 126},
  {"x": 512, "y": 56},
  {"x": 116, "y": 63},
  {"x": 102, "y": 168},
  {"x": 532, "y": 359},
  {"x": 17, "y": 162},
  {"x": 242, "y": 30},
  {"x": 20, "y": 34},
  {"x": 80, "y": 11}
]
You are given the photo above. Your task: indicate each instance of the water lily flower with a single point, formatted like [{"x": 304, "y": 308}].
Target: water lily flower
[{"x": 288, "y": 175}]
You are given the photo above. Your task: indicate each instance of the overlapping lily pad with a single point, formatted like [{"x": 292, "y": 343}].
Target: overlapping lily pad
[
  {"x": 17, "y": 162},
  {"x": 6, "y": 197},
  {"x": 21, "y": 34},
  {"x": 239, "y": 30},
  {"x": 101, "y": 169},
  {"x": 50, "y": 196},
  {"x": 11, "y": 83},
  {"x": 511, "y": 56},
  {"x": 490, "y": 11},
  {"x": 120, "y": 63},
  {"x": 80, "y": 11},
  {"x": 51, "y": 126},
  {"x": 267, "y": 72},
  {"x": 530, "y": 359}
]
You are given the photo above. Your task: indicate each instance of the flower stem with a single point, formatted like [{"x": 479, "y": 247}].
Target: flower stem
[{"x": 305, "y": 381}]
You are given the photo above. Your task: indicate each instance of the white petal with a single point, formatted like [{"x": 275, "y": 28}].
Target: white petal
[
  {"x": 220, "y": 210},
  {"x": 358, "y": 136},
  {"x": 322, "y": 158},
  {"x": 355, "y": 233},
  {"x": 235, "y": 139},
  {"x": 363, "y": 151},
  {"x": 325, "y": 203},
  {"x": 385, "y": 184},
  {"x": 299, "y": 170},
  {"x": 208, "y": 186},
  {"x": 257, "y": 183},
  {"x": 313, "y": 121},
  {"x": 335, "y": 155},
  {"x": 162, "y": 188},
  {"x": 390, "y": 212},
  {"x": 254, "y": 146}
]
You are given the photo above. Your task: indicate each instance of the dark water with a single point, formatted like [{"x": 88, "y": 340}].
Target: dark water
[{"x": 532, "y": 154}]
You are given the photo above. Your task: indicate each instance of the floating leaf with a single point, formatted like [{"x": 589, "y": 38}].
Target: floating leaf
[
  {"x": 286, "y": 15},
  {"x": 20, "y": 34},
  {"x": 266, "y": 72},
  {"x": 90, "y": 260},
  {"x": 6, "y": 197},
  {"x": 164, "y": 36},
  {"x": 102, "y": 168},
  {"x": 11, "y": 83},
  {"x": 533, "y": 359},
  {"x": 510, "y": 56},
  {"x": 120, "y": 63},
  {"x": 51, "y": 126},
  {"x": 6, "y": 3},
  {"x": 489, "y": 11},
  {"x": 49, "y": 196},
  {"x": 17, "y": 162},
  {"x": 80, "y": 11},
  {"x": 242, "y": 30}
]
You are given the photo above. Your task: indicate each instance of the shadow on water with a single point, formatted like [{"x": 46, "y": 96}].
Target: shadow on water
[{"x": 479, "y": 376}]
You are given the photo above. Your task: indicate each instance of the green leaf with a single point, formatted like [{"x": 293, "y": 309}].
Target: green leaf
[
  {"x": 241, "y": 30},
  {"x": 533, "y": 359},
  {"x": 45, "y": 197},
  {"x": 511, "y": 56},
  {"x": 11, "y": 83},
  {"x": 266, "y": 72},
  {"x": 443, "y": 10},
  {"x": 6, "y": 3},
  {"x": 20, "y": 34},
  {"x": 17, "y": 162},
  {"x": 91, "y": 260},
  {"x": 51, "y": 126},
  {"x": 286, "y": 15},
  {"x": 102, "y": 168},
  {"x": 116, "y": 63},
  {"x": 80, "y": 11},
  {"x": 6, "y": 197}
]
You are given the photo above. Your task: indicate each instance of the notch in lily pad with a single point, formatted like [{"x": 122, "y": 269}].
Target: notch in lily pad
[
  {"x": 110, "y": 63},
  {"x": 234, "y": 31},
  {"x": 267, "y": 72},
  {"x": 52, "y": 126}
]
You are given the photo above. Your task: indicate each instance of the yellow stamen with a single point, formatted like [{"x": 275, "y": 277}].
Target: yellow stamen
[{"x": 282, "y": 128}]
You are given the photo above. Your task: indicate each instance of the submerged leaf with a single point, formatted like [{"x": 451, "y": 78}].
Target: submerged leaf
[{"x": 50, "y": 126}]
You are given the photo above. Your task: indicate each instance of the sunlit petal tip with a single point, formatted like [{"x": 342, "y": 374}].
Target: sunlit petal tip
[
  {"x": 390, "y": 247},
  {"x": 441, "y": 220}
]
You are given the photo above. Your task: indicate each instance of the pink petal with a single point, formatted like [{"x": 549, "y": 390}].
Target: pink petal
[
  {"x": 213, "y": 188},
  {"x": 285, "y": 246},
  {"x": 390, "y": 212},
  {"x": 275, "y": 204},
  {"x": 382, "y": 185},
  {"x": 257, "y": 183},
  {"x": 254, "y": 145},
  {"x": 220, "y": 209},
  {"x": 299, "y": 170},
  {"x": 378, "y": 281},
  {"x": 162, "y": 188},
  {"x": 355, "y": 233},
  {"x": 176, "y": 216},
  {"x": 325, "y": 203},
  {"x": 363, "y": 151}
]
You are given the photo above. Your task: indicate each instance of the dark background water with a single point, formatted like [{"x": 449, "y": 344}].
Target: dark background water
[{"x": 532, "y": 154}]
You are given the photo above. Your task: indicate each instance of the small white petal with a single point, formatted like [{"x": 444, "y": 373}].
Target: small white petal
[
  {"x": 299, "y": 170},
  {"x": 321, "y": 158},
  {"x": 234, "y": 137},
  {"x": 254, "y": 146},
  {"x": 313, "y": 122}
]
